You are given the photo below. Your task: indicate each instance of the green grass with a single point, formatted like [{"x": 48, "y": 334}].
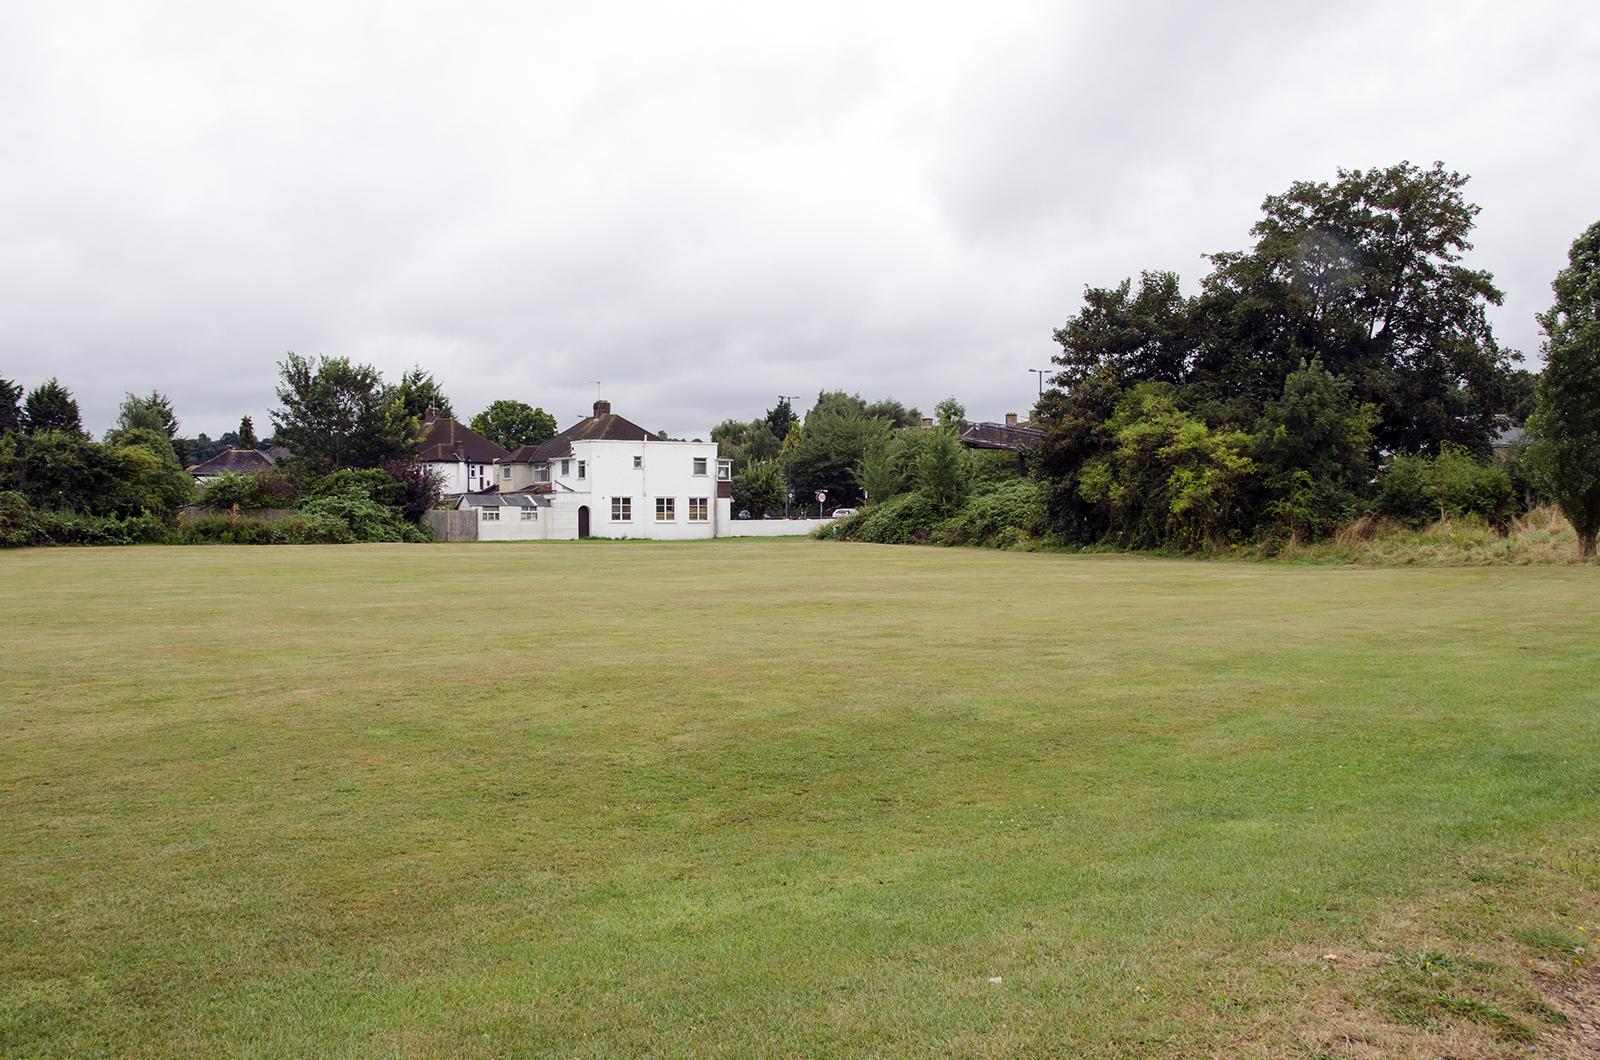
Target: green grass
[{"x": 767, "y": 798}]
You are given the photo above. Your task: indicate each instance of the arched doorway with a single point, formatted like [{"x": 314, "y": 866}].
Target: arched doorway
[{"x": 583, "y": 521}]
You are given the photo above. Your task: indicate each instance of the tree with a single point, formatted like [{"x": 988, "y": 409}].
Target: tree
[
  {"x": 944, "y": 471},
  {"x": 50, "y": 407},
  {"x": 759, "y": 488},
  {"x": 422, "y": 486},
  {"x": 1169, "y": 479},
  {"x": 336, "y": 415},
  {"x": 1311, "y": 448},
  {"x": 247, "y": 434},
  {"x": 780, "y": 418},
  {"x": 897, "y": 414},
  {"x": 951, "y": 414},
  {"x": 1363, "y": 274},
  {"x": 745, "y": 443},
  {"x": 417, "y": 392},
  {"x": 830, "y": 450},
  {"x": 510, "y": 424},
  {"x": 837, "y": 403},
  {"x": 876, "y": 473},
  {"x": 1566, "y": 421},
  {"x": 153, "y": 412},
  {"x": 10, "y": 407}
]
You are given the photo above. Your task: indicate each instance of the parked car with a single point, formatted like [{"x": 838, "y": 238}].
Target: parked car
[
  {"x": 744, "y": 513},
  {"x": 843, "y": 513}
]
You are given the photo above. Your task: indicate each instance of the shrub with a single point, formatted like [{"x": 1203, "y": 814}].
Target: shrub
[
  {"x": 998, "y": 517},
  {"x": 1416, "y": 489},
  {"x": 909, "y": 517}
]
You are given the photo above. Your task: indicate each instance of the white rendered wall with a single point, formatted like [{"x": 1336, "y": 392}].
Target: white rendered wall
[
  {"x": 773, "y": 527},
  {"x": 667, "y": 471},
  {"x": 511, "y": 526}
]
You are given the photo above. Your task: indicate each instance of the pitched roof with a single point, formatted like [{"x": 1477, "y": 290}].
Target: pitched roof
[
  {"x": 447, "y": 441},
  {"x": 241, "y": 460},
  {"x": 606, "y": 427}
]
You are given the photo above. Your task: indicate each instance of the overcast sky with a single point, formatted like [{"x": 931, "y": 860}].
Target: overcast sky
[{"x": 704, "y": 206}]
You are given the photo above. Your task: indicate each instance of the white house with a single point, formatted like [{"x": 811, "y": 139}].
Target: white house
[
  {"x": 464, "y": 458},
  {"x": 607, "y": 477}
]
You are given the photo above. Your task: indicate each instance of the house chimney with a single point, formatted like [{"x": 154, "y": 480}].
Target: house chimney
[
  {"x": 602, "y": 408},
  {"x": 927, "y": 421},
  {"x": 429, "y": 416},
  {"x": 1011, "y": 419}
]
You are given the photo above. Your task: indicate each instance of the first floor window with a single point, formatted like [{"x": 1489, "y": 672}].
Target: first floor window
[
  {"x": 666, "y": 508},
  {"x": 638, "y": 461},
  {"x": 697, "y": 509},
  {"x": 529, "y": 513},
  {"x": 507, "y": 472},
  {"x": 566, "y": 467},
  {"x": 621, "y": 509},
  {"x": 489, "y": 515},
  {"x": 541, "y": 473},
  {"x": 699, "y": 465},
  {"x": 582, "y": 466}
]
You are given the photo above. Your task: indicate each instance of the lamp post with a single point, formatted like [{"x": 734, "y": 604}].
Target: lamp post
[
  {"x": 1040, "y": 373},
  {"x": 788, "y": 476}
]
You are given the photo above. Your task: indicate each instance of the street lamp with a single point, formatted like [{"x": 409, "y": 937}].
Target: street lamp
[
  {"x": 788, "y": 476},
  {"x": 1040, "y": 373}
]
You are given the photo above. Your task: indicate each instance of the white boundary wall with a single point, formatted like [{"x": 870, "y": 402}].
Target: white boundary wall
[{"x": 772, "y": 527}]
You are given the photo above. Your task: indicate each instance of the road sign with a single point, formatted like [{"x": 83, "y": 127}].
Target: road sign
[{"x": 822, "y": 495}]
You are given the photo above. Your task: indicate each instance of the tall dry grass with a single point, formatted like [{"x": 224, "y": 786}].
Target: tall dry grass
[{"x": 1542, "y": 536}]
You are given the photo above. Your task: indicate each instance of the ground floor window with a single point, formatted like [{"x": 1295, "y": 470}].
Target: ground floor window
[
  {"x": 666, "y": 508},
  {"x": 529, "y": 513},
  {"x": 697, "y": 509},
  {"x": 622, "y": 509},
  {"x": 489, "y": 515}
]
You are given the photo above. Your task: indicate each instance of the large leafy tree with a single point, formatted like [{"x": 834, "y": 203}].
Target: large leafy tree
[
  {"x": 50, "y": 407},
  {"x": 1566, "y": 421},
  {"x": 336, "y": 415},
  {"x": 10, "y": 406},
  {"x": 1363, "y": 274},
  {"x": 510, "y": 424},
  {"x": 152, "y": 413}
]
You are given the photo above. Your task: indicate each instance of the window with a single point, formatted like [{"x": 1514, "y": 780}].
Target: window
[
  {"x": 488, "y": 515},
  {"x": 724, "y": 470},
  {"x": 697, "y": 509},
  {"x": 638, "y": 461},
  {"x": 582, "y": 466},
  {"x": 507, "y": 471},
  {"x": 529, "y": 513},
  {"x": 666, "y": 509},
  {"x": 621, "y": 509},
  {"x": 541, "y": 473},
  {"x": 566, "y": 467},
  {"x": 699, "y": 465}
]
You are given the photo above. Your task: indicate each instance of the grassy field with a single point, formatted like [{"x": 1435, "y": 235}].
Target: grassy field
[{"x": 788, "y": 798}]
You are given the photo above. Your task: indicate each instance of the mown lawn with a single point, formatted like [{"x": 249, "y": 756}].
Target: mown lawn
[{"x": 774, "y": 798}]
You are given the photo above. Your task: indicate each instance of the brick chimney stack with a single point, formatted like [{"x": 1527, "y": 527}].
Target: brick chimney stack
[
  {"x": 602, "y": 408},
  {"x": 927, "y": 421},
  {"x": 429, "y": 416},
  {"x": 1011, "y": 419}
]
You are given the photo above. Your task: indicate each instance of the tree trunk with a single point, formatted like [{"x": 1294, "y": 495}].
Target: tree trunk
[{"x": 1586, "y": 544}]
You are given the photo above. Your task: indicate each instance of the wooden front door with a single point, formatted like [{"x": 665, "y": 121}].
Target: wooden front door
[{"x": 583, "y": 521}]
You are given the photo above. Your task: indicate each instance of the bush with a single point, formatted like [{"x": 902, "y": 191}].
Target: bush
[
  {"x": 267, "y": 488},
  {"x": 998, "y": 517},
  {"x": 1417, "y": 489},
  {"x": 21, "y": 524},
  {"x": 909, "y": 517}
]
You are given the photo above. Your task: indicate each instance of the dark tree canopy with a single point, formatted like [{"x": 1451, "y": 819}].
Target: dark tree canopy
[
  {"x": 510, "y": 424},
  {"x": 336, "y": 415},
  {"x": 779, "y": 418},
  {"x": 1566, "y": 422},
  {"x": 417, "y": 392},
  {"x": 246, "y": 438},
  {"x": 153, "y": 413},
  {"x": 50, "y": 407},
  {"x": 1362, "y": 274},
  {"x": 10, "y": 406}
]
